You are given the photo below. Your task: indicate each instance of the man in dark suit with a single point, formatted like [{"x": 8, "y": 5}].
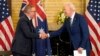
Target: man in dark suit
[
  {"x": 25, "y": 35},
  {"x": 77, "y": 29}
]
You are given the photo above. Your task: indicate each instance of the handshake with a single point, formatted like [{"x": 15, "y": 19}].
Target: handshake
[{"x": 43, "y": 35}]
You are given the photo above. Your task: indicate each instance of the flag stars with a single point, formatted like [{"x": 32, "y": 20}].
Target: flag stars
[
  {"x": 98, "y": 6},
  {"x": 3, "y": 4},
  {"x": 98, "y": 19},
  {"x": 95, "y": 6},
  {"x": 98, "y": 14},
  {"x": 3, "y": 8},
  {"x": 91, "y": 5},
  {"x": 94, "y": 14},
  {"x": 2, "y": 12},
  {"x": 7, "y": 9},
  {"x": 4, "y": 0},
  {"x": 7, "y": 13},
  {"x": 91, "y": 1},
  {"x": 95, "y": 10},
  {"x": 98, "y": 10},
  {"x": 99, "y": 2},
  {"x": 2, "y": 16},
  {"x": 90, "y": 9},
  {"x": 95, "y": 1}
]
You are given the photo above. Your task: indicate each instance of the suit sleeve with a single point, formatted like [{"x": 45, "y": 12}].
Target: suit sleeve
[
  {"x": 27, "y": 31},
  {"x": 84, "y": 32},
  {"x": 58, "y": 32}
]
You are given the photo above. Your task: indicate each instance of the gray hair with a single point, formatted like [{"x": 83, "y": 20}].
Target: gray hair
[
  {"x": 27, "y": 8},
  {"x": 70, "y": 5}
]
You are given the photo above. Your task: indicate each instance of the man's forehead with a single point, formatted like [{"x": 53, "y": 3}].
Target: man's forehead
[{"x": 67, "y": 7}]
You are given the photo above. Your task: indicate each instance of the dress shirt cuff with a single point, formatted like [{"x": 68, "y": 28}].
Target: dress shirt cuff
[{"x": 48, "y": 35}]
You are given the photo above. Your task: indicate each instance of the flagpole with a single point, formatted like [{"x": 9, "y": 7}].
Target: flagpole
[
  {"x": 57, "y": 49},
  {"x": 82, "y": 7}
]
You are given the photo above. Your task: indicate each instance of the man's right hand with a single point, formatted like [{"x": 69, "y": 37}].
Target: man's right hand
[{"x": 43, "y": 35}]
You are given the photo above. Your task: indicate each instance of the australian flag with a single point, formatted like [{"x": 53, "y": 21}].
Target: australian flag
[{"x": 43, "y": 46}]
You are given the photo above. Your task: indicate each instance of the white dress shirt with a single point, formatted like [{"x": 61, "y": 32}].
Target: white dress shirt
[
  {"x": 28, "y": 17},
  {"x": 72, "y": 18}
]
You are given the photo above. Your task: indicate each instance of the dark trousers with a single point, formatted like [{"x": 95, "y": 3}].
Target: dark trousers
[
  {"x": 18, "y": 54},
  {"x": 71, "y": 49}
]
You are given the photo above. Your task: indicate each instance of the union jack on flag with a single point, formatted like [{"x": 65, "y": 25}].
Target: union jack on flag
[{"x": 40, "y": 15}]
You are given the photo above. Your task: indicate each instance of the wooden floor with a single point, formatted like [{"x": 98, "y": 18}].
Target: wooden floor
[
  {"x": 5, "y": 53},
  {"x": 8, "y": 53}
]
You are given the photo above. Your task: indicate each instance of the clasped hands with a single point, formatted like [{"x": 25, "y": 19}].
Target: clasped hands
[{"x": 43, "y": 35}]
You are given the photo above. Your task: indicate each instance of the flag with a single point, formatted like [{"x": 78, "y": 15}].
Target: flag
[
  {"x": 92, "y": 15},
  {"x": 6, "y": 27},
  {"x": 40, "y": 23}
]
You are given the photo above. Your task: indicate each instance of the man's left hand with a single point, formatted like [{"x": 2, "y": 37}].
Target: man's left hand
[{"x": 80, "y": 49}]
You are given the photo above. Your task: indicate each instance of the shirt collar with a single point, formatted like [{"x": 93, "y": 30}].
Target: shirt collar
[
  {"x": 73, "y": 15},
  {"x": 28, "y": 17}
]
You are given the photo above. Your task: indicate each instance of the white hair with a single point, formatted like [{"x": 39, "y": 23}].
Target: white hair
[{"x": 70, "y": 5}]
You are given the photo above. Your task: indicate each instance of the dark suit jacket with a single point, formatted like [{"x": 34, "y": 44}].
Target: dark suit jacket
[
  {"x": 24, "y": 36},
  {"x": 78, "y": 31}
]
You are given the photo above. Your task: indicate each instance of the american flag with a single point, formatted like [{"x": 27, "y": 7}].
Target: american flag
[
  {"x": 92, "y": 15},
  {"x": 6, "y": 27},
  {"x": 40, "y": 22}
]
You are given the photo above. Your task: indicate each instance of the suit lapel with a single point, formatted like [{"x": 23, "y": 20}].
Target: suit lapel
[
  {"x": 69, "y": 27},
  {"x": 68, "y": 24},
  {"x": 74, "y": 20}
]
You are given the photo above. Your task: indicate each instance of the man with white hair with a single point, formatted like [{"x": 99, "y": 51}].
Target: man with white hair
[{"x": 77, "y": 29}]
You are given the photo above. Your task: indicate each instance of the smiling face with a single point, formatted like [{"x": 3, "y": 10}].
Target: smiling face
[
  {"x": 32, "y": 12},
  {"x": 69, "y": 9}
]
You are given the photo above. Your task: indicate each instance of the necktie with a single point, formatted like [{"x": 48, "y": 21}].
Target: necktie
[{"x": 70, "y": 21}]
